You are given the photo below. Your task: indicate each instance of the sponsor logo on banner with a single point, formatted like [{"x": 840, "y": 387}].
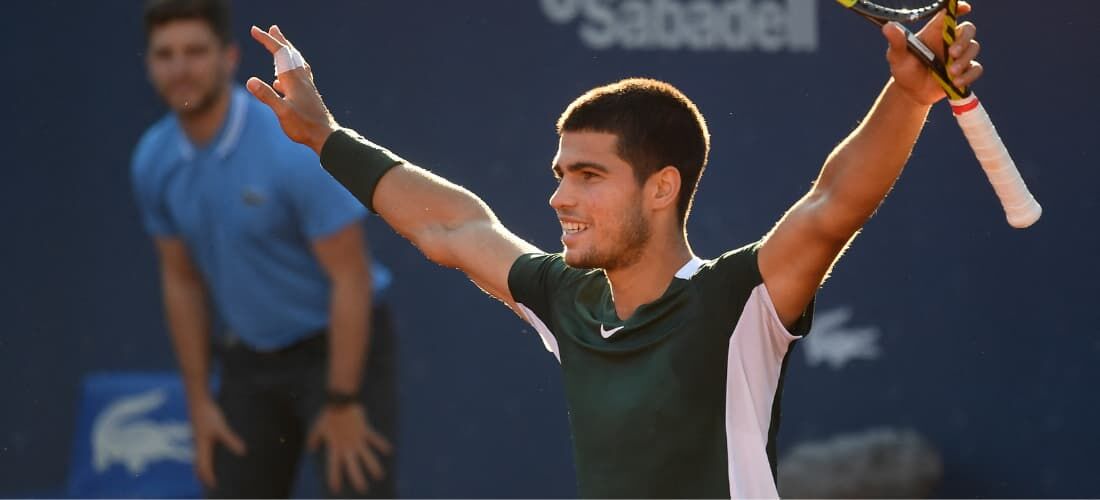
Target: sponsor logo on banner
[
  {"x": 124, "y": 433},
  {"x": 698, "y": 25},
  {"x": 833, "y": 343}
]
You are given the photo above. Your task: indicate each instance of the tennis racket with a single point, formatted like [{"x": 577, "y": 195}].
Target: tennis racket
[{"x": 1020, "y": 206}]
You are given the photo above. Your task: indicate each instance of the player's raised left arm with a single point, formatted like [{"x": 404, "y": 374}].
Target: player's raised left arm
[
  {"x": 798, "y": 253},
  {"x": 449, "y": 224}
]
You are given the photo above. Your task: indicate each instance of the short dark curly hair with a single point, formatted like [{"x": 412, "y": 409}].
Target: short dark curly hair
[
  {"x": 213, "y": 12},
  {"x": 656, "y": 125}
]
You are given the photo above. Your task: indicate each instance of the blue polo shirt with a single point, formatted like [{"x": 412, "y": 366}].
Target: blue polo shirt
[{"x": 247, "y": 206}]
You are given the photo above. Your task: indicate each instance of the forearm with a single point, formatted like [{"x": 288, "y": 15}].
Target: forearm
[
  {"x": 349, "y": 332},
  {"x": 421, "y": 206},
  {"x": 862, "y": 169},
  {"x": 189, "y": 327}
]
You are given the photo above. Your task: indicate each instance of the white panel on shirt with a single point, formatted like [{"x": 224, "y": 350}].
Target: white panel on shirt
[
  {"x": 756, "y": 350},
  {"x": 548, "y": 339}
]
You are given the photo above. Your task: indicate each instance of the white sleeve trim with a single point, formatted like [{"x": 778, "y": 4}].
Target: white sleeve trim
[{"x": 548, "y": 338}]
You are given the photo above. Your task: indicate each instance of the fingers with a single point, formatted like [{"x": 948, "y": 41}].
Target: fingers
[
  {"x": 350, "y": 463},
  {"x": 964, "y": 70},
  {"x": 963, "y": 61},
  {"x": 344, "y": 462},
  {"x": 896, "y": 36},
  {"x": 265, "y": 94},
  {"x": 204, "y": 461},
  {"x": 332, "y": 469},
  {"x": 963, "y": 9},
  {"x": 378, "y": 442},
  {"x": 270, "y": 43},
  {"x": 354, "y": 473},
  {"x": 935, "y": 26},
  {"x": 972, "y": 73},
  {"x": 373, "y": 465},
  {"x": 278, "y": 35},
  {"x": 204, "y": 453},
  {"x": 349, "y": 445},
  {"x": 964, "y": 38},
  {"x": 232, "y": 441}
]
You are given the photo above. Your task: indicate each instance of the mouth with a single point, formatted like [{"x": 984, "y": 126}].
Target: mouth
[
  {"x": 573, "y": 227},
  {"x": 181, "y": 84},
  {"x": 570, "y": 231},
  {"x": 181, "y": 87}
]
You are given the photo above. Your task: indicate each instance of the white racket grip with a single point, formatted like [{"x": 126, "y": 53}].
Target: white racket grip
[{"x": 1020, "y": 206}]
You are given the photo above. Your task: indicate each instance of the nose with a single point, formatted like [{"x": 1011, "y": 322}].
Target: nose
[
  {"x": 562, "y": 199},
  {"x": 175, "y": 66}
]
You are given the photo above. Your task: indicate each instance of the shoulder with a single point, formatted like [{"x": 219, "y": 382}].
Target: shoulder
[
  {"x": 544, "y": 272},
  {"x": 737, "y": 267},
  {"x": 541, "y": 282},
  {"x": 155, "y": 143},
  {"x": 551, "y": 265},
  {"x": 157, "y": 150}
]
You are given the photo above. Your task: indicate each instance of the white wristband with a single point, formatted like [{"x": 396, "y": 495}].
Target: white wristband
[{"x": 288, "y": 58}]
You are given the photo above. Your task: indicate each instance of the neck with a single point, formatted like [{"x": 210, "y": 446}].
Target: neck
[
  {"x": 647, "y": 279},
  {"x": 201, "y": 126}
]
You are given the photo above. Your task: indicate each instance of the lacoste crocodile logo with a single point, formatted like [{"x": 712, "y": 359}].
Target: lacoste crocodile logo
[{"x": 125, "y": 433}]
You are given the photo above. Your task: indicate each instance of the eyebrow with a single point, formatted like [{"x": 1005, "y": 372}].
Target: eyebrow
[{"x": 573, "y": 167}]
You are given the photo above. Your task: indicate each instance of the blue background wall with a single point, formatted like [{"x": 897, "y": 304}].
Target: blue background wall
[{"x": 989, "y": 341}]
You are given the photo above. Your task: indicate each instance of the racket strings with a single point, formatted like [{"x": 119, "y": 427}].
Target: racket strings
[{"x": 901, "y": 10}]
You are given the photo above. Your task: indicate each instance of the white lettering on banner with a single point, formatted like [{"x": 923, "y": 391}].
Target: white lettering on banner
[
  {"x": 831, "y": 343},
  {"x": 733, "y": 25},
  {"x": 123, "y": 434}
]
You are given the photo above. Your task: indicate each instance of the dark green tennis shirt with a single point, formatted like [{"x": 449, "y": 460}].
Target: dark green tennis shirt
[{"x": 682, "y": 398}]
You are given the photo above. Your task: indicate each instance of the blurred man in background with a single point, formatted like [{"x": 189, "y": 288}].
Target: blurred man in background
[{"x": 257, "y": 242}]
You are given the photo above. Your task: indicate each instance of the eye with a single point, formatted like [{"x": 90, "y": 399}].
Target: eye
[{"x": 588, "y": 175}]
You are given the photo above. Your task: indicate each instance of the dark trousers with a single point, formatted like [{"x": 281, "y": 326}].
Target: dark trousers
[{"x": 271, "y": 400}]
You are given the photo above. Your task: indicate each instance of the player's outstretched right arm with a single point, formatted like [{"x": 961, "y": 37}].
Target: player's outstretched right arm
[{"x": 448, "y": 223}]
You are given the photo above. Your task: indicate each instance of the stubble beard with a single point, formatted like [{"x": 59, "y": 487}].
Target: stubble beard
[
  {"x": 628, "y": 247},
  {"x": 206, "y": 99}
]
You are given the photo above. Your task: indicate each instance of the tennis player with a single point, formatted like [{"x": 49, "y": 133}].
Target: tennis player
[{"x": 672, "y": 363}]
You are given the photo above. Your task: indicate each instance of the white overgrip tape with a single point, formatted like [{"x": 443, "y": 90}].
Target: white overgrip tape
[{"x": 288, "y": 58}]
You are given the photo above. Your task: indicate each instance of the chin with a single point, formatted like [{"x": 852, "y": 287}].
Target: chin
[
  {"x": 181, "y": 105},
  {"x": 570, "y": 257},
  {"x": 576, "y": 259},
  {"x": 190, "y": 102}
]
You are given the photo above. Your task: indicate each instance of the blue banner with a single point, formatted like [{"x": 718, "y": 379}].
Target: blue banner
[{"x": 132, "y": 439}]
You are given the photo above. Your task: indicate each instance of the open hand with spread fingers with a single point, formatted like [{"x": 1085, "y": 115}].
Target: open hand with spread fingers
[
  {"x": 353, "y": 448},
  {"x": 292, "y": 96}
]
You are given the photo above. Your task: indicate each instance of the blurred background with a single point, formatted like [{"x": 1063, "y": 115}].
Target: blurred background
[{"x": 941, "y": 320}]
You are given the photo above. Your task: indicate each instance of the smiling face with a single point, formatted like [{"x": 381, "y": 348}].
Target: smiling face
[
  {"x": 598, "y": 202},
  {"x": 189, "y": 65}
]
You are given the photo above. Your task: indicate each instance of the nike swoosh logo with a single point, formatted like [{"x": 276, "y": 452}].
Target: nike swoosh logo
[{"x": 608, "y": 333}]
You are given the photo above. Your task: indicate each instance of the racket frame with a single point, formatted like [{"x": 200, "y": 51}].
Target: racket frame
[
  {"x": 880, "y": 15},
  {"x": 1020, "y": 206}
]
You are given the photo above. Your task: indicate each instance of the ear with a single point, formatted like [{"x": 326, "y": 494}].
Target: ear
[
  {"x": 232, "y": 57},
  {"x": 663, "y": 188}
]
